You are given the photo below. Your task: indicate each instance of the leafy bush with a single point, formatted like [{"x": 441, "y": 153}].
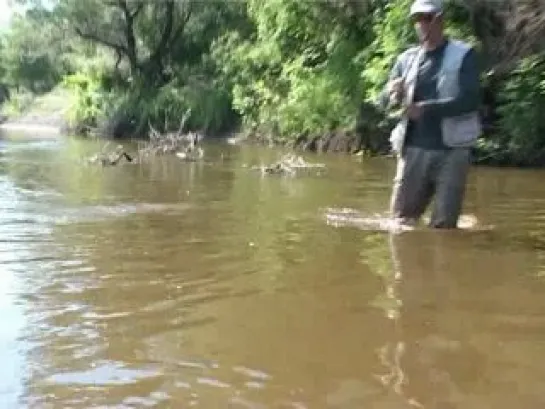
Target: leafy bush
[
  {"x": 89, "y": 100},
  {"x": 296, "y": 74},
  {"x": 209, "y": 107},
  {"x": 93, "y": 105},
  {"x": 317, "y": 103},
  {"x": 521, "y": 103}
]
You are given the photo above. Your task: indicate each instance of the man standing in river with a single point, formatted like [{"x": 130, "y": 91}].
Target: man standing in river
[{"x": 437, "y": 86}]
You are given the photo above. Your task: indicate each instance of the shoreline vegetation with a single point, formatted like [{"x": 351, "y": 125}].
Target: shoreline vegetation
[{"x": 302, "y": 75}]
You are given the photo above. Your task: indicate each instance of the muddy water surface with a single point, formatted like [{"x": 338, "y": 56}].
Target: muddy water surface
[{"x": 179, "y": 285}]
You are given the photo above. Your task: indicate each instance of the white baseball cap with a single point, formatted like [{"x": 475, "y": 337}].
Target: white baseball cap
[{"x": 426, "y": 7}]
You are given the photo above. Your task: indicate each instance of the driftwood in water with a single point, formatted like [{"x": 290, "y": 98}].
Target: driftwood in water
[
  {"x": 183, "y": 145},
  {"x": 112, "y": 158},
  {"x": 288, "y": 165}
]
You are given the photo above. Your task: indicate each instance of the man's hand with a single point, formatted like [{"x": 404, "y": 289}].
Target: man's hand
[
  {"x": 395, "y": 90},
  {"x": 395, "y": 85},
  {"x": 414, "y": 110}
]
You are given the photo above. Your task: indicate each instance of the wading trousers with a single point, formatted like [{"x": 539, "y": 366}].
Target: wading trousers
[{"x": 423, "y": 173}]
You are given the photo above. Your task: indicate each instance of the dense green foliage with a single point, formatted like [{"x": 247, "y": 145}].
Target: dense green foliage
[{"x": 283, "y": 68}]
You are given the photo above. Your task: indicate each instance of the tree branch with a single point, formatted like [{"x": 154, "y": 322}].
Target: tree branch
[
  {"x": 94, "y": 37},
  {"x": 181, "y": 27},
  {"x": 137, "y": 10},
  {"x": 119, "y": 56},
  {"x": 132, "y": 52},
  {"x": 167, "y": 31}
]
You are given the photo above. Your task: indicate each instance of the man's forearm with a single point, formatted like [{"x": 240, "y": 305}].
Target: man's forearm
[{"x": 467, "y": 101}]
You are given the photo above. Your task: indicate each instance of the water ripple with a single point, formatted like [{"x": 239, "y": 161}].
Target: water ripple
[{"x": 104, "y": 373}]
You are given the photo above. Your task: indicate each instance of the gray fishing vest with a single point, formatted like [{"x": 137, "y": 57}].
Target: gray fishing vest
[{"x": 458, "y": 131}]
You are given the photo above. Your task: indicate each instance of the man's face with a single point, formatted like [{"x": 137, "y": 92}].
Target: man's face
[{"x": 425, "y": 25}]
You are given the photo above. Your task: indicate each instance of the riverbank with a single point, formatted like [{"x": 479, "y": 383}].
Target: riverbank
[
  {"x": 49, "y": 113},
  {"x": 41, "y": 113}
]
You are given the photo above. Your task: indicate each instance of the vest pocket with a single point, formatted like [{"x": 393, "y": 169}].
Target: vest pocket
[{"x": 461, "y": 131}]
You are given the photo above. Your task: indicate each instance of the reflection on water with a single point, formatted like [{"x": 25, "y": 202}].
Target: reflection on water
[{"x": 206, "y": 285}]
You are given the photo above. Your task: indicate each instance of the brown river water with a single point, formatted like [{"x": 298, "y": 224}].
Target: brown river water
[{"x": 207, "y": 285}]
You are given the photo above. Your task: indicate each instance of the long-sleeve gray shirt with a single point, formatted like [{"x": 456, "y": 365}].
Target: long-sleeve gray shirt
[{"x": 426, "y": 131}]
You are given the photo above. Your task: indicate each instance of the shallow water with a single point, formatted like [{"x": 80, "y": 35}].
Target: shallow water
[{"x": 208, "y": 285}]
